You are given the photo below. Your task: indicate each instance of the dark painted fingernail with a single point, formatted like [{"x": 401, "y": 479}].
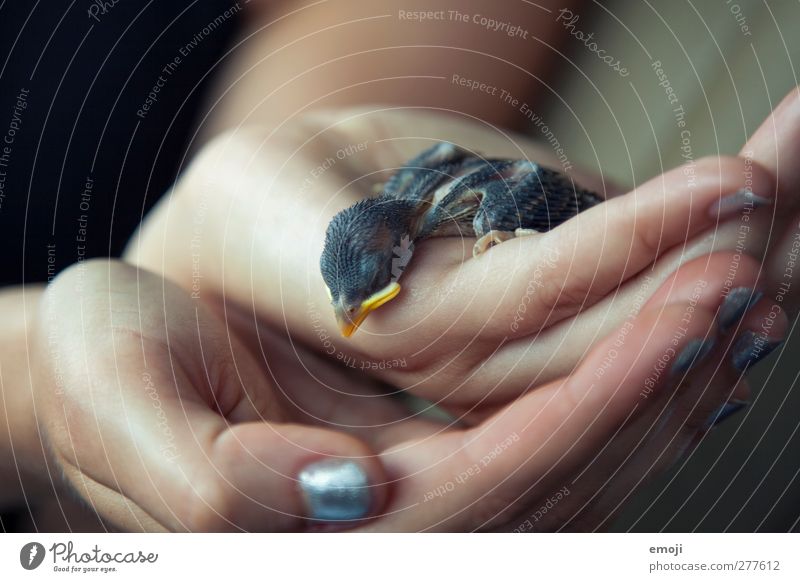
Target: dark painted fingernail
[
  {"x": 736, "y": 202},
  {"x": 725, "y": 411},
  {"x": 750, "y": 349},
  {"x": 692, "y": 353},
  {"x": 735, "y": 305},
  {"x": 335, "y": 490}
]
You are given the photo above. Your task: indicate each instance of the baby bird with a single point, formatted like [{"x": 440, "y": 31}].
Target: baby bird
[{"x": 444, "y": 191}]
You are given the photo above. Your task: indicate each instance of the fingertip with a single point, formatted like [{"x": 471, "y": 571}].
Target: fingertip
[
  {"x": 777, "y": 139},
  {"x": 640, "y": 357},
  {"x": 336, "y": 491},
  {"x": 294, "y": 477},
  {"x": 762, "y": 331},
  {"x": 726, "y": 282}
]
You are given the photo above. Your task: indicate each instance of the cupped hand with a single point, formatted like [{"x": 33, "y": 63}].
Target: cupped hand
[
  {"x": 164, "y": 412},
  {"x": 246, "y": 224}
]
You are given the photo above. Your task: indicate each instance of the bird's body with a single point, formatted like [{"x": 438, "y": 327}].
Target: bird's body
[{"x": 445, "y": 191}]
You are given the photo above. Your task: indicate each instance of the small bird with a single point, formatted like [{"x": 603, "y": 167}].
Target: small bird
[{"x": 444, "y": 191}]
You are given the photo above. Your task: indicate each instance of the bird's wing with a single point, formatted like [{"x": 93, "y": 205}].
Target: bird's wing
[
  {"x": 547, "y": 198},
  {"x": 458, "y": 193},
  {"x": 420, "y": 177},
  {"x": 509, "y": 194}
]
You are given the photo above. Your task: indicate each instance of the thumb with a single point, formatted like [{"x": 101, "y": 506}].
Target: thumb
[{"x": 163, "y": 421}]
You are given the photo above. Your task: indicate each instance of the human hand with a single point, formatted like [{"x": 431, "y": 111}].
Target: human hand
[
  {"x": 247, "y": 220},
  {"x": 165, "y": 415}
]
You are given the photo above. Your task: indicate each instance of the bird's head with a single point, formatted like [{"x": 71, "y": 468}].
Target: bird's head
[{"x": 367, "y": 246}]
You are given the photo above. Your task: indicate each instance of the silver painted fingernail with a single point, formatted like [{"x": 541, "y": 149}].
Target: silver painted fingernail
[
  {"x": 750, "y": 348},
  {"x": 725, "y": 411},
  {"x": 736, "y": 202},
  {"x": 335, "y": 490},
  {"x": 693, "y": 352},
  {"x": 735, "y": 305}
]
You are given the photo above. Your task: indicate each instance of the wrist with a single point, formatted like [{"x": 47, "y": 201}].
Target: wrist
[{"x": 22, "y": 460}]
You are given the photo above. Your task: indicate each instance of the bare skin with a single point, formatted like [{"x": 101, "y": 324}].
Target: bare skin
[
  {"x": 320, "y": 55},
  {"x": 224, "y": 456},
  {"x": 457, "y": 324},
  {"x": 594, "y": 499},
  {"x": 248, "y": 180},
  {"x": 249, "y": 292}
]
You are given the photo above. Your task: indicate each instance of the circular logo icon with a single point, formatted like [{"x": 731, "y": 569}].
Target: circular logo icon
[{"x": 31, "y": 555}]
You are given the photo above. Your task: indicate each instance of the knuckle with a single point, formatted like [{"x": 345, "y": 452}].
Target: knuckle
[
  {"x": 571, "y": 396},
  {"x": 221, "y": 157},
  {"x": 552, "y": 294},
  {"x": 555, "y": 295},
  {"x": 646, "y": 239}
]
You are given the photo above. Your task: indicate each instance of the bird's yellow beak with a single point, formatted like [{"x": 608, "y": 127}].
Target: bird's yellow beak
[{"x": 348, "y": 324}]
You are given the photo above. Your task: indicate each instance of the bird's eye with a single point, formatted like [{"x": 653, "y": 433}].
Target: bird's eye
[{"x": 351, "y": 311}]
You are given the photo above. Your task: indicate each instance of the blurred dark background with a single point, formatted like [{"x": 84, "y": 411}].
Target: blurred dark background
[{"x": 85, "y": 83}]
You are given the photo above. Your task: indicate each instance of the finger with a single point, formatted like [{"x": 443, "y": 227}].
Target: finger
[
  {"x": 667, "y": 431},
  {"x": 722, "y": 283},
  {"x": 535, "y": 444},
  {"x": 650, "y": 445},
  {"x": 160, "y": 417},
  {"x": 557, "y": 273},
  {"x": 776, "y": 146},
  {"x": 763, "y": 331},
  {"x": 534, "y": 282},
  {"x": 678, "y": 424},
  {"x": 781, "y": 264},
  {"x": 531, "y": 361},
  {"x": 740, "y": 302}
]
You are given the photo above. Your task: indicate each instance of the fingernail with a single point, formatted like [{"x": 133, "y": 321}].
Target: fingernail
[
  {"x": 750, "y": 349},
  {"x": 335, "y": 490},
  {"x": 735, "y": 305},
  {"x": 725, "y": 411},
  {"x": 736, "y": 202},
  {"x": 693, "y": 352}
]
